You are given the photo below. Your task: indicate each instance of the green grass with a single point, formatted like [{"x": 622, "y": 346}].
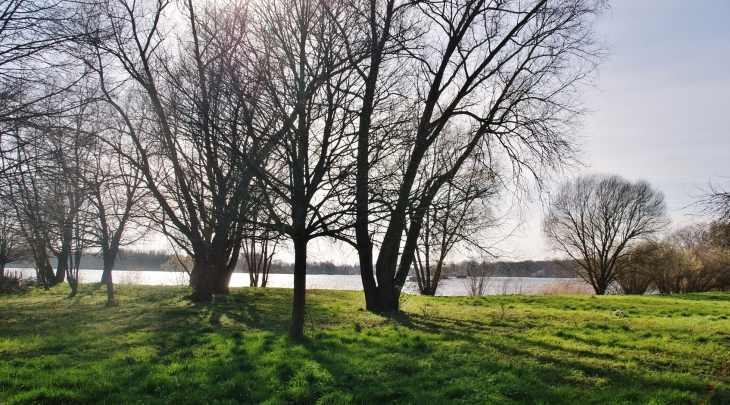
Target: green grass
[{"x": 154, "y": 346}]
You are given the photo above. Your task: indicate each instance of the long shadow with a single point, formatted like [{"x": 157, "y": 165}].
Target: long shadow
[{"x": 188, "y": 354}]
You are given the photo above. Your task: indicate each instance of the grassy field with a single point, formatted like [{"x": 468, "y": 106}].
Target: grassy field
[{"x": 154, "y": 347}]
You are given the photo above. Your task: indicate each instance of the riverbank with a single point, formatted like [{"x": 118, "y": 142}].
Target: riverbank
[
  {"x": 447, "y": 287},
  {"x": 154, "y": 346}
]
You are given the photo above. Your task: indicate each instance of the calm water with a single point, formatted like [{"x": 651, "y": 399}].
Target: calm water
[{"x": 447, "y": 287}]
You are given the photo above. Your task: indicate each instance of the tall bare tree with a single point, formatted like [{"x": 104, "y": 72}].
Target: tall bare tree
[
  {"x": 507, "y": 74},
  {"x": 594, "y": 219},
  {"x": 116, "y": 194},
  {"x": 45, "y": 192},
  {"x": 29, "y": 196},
  {"x": 11, "y": 241},
  {"x": 304, "y": 183},
  {"x": 69, "y": 143},
  {"x": 205, "y": 101}
]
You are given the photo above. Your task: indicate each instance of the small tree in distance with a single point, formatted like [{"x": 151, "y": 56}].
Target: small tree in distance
[
  {"x": 478, "y": 276},
  {"x": 11, "y": 248},
  {"x": 595, "y": 218}
]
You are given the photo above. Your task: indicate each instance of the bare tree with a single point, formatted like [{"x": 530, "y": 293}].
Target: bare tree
[
  {"x": 478, "y": 277},
  {"x": 507, "y": 74},
  {"x": 690, "y": 261},
  {"x": 304, "y": 183},
  {"x": 34, "y": 195},
  {"x": 205, "y": 101},
  {"x": 258, "y": 250},
  {"x": 459, "y": 214},
  {"x": 11, "y": 241},
  {"x": 69, "y": 143},
  {"x": 596, "y": 218},
  {"x": 116, "y": 195}
]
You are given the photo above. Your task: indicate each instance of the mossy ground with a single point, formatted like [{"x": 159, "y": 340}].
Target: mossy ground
[{"x": 154, "y": 346}]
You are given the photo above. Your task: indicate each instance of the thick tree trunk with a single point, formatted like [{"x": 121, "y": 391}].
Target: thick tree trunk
[
  {"x": 210, "y": 264},
  {"x": 63, "y": 256},
  {"x": 107, "y": 279},
  {"x": 366, "y": 275},
  {"x": 388, "y": 273},
  {"x": 207, "y": 280},
  {"x": 389, "y": 297},
  {"x": 61, "y": 268},
  {"x": 48, "y": 275},
  {"x": 2, "y": 270},
  {"x": 300, "y": 287},
  {"x": 226, "y": 271}
]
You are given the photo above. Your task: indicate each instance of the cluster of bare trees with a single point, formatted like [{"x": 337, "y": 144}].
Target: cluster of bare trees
[
  {"x": 391, "y": 126},
  {"x": 596, "y": 219},
  {"x": 695, "y": 258},
  {"x": 611, "y": 227}
]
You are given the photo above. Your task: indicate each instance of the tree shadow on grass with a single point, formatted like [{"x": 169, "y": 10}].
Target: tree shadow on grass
[{"x": 157, "y": 348}]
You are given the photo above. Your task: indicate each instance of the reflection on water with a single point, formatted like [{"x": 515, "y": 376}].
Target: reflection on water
[{"x": 447, "y": 287}]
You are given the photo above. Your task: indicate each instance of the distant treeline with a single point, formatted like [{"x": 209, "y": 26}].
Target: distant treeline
[
  {"x": 527, "y": 268},
  {"x": 326, "y": 267},
  {"x": 152, "y": 260}
]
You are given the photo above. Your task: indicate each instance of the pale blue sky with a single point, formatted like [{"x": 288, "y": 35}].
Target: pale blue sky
[
  {"x": 661, "y": 109},
  {"x": 662, "y": 106}
]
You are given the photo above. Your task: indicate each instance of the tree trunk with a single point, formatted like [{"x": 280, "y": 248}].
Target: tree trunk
[
  {"x": 253, "y": 278},
  {"x": 362, "y": 234},
  {"x": 388, "y": 296},
  {"x": 300, "y": 286},
  {"x": 207, "y": 280},
  {"x": 63, "y": 256},
  {"x": 48, "y": 272},
  {"x": 210, "y": 265},
  {"x": 264, "y": 279},
  {"x": 2, "y": 270},
  {"x": 428, "y": 290},
  {"x": 226, "y": 271},
  {"x": 74, "y": 284},
  {"x": 106, "y": 277},
  {"x": 109, "y": 287},
  {"x": 366, "y": 275},
  {"x": 60, "y": 273}
]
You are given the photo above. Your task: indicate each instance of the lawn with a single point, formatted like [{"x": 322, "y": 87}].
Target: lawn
[{"x": 155, "y": 347}]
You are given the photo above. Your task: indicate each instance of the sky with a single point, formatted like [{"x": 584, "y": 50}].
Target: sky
[
  {"x": 660, "y": 112},
  {"x": 661, "y": 109}
]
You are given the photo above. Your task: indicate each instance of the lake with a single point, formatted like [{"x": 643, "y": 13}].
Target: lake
[{"x": 447, "y": 287}]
